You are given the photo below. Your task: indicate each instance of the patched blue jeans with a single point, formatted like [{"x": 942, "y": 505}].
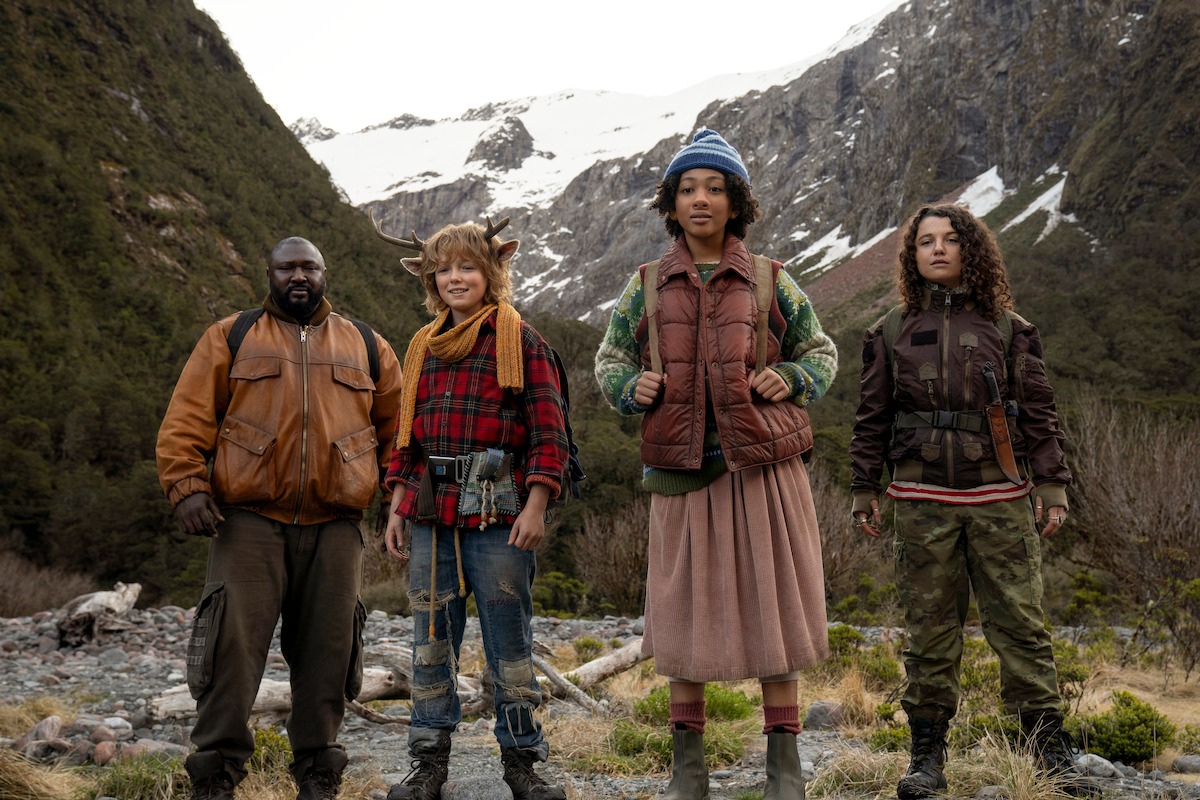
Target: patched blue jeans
[{"x": 500, "y": 576}]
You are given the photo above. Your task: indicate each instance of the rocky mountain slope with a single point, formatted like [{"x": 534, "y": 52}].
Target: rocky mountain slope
[{"x": 1079, "y": 111}]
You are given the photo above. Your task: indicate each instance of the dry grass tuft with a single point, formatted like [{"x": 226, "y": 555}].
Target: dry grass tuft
[
  {"x": 21, "y": 779},
  {"x": 17, "y": 719}
]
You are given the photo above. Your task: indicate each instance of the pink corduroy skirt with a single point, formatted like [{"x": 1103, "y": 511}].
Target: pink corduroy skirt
[{"x": 735, "y": 588}]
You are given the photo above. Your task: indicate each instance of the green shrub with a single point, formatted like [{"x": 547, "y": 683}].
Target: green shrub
[
  {"x": 889, "y": 739},
  {"x": 648, "y": 748},
  {"x": 886, "y": 712},
  {"x": 272, "y": 752},
  {"x": 1131, "y": 731},
  {"x": 720, "y": 703},
  {"x": 587, "y": 648},
  {"x": 152, "y": 776},
  {"x": 1188, "y": 740},
  {"x": 971, "y": 729}
]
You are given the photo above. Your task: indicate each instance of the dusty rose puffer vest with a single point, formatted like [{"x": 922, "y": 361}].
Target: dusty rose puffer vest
[{"x": 707, "y": 333}]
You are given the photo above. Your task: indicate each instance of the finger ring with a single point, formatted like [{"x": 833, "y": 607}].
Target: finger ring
[{"x": 1059, "y": 520}]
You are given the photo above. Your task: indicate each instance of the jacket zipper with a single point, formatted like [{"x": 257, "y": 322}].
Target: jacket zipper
[
  {"x": 947, "y": 437},
  {"x": 303, "y": 423}
]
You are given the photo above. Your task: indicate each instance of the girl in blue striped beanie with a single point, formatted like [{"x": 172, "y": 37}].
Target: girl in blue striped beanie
[{"x": 721, "y": 354}]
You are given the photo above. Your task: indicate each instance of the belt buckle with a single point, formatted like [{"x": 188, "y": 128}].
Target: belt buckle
[
  {"x": 942, "y": 418},
  {"x": 462, "y": 466},
  {"x": 442, "y": 468}
]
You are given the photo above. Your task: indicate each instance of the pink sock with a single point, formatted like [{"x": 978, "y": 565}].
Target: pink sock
[
  {"x": 687, "y": 715},
  {"x": 781, "y": 719}
]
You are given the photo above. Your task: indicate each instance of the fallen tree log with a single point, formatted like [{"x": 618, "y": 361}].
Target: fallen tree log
[{"x": 275, "y": 697}]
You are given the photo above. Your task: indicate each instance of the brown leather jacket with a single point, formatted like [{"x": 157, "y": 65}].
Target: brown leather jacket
[
  {"x": 707, "y": 342},
  {"x": 296, "y": 429},
  {"x": 939, "y": 354}
]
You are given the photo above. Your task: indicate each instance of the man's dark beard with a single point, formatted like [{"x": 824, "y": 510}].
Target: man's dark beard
[{"x": 298, "y": 310}]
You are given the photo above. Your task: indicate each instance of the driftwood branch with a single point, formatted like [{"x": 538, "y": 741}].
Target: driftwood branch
[
  {"x": 388, "y": 676},
  {"x": 565, "y": 687},
  {"x": 86, "y": 617},
  {"x": 601, "y": 669}
]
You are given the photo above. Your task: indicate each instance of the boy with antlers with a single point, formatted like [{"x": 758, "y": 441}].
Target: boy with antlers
[{"x": 480, "y": 450}]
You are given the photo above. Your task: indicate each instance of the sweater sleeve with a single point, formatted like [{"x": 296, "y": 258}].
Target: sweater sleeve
[
  {"x": 618, "y": 360},
  {"x": 811, "y": 356}
]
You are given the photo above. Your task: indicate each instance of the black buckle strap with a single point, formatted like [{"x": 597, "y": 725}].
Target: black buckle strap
[
  {"x": 938, "y": 418},
  {"x": 447, "y": 468}
]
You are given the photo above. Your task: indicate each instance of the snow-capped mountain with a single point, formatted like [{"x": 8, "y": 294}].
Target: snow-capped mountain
[{"x": 928, "y": 99}]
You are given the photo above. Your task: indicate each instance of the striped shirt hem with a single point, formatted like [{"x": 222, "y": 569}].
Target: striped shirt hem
[{"x": 975, "y": 496}]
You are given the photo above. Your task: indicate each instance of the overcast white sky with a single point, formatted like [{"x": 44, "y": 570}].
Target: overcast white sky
[{"x": 354, "y": 63}]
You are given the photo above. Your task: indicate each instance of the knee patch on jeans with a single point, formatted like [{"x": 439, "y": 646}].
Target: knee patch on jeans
[
  {"x": 430, "y": 692},
  {"x": 433, "y": 654},
  {"x": 515, "y": 678}
]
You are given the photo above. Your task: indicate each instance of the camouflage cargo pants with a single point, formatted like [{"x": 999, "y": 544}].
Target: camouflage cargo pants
[{"x": 941, "y": 553}]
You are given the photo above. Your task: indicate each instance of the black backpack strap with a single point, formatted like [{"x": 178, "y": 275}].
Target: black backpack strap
[
  {"x": 244, "y": 322},
  {"x": 372, "y": 346},
  {"x": 574, "y": 471}
]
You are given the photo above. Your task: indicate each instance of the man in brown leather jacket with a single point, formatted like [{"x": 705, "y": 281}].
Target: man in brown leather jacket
[{"x": 298, "y": 433}]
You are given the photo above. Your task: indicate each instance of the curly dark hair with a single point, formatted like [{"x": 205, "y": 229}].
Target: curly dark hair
[
  {"x": 743, "y": 207},
  {"x": 983, "y": 273}
]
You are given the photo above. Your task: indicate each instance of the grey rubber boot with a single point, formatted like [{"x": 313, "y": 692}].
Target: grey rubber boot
[
  {"x": 926, "y": 771},
  {"x": 430, "y": 770},
  {"x": 785, "y": 779},
  {"x": 689, "y": 774}
]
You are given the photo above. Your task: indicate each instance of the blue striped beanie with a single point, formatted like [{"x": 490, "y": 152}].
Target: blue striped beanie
[{"x": 708, "y": 151}]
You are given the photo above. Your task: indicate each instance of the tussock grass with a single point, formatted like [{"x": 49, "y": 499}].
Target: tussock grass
[
  {"x": 17, "y": 718},
  {"x": 21, "y": 779}
]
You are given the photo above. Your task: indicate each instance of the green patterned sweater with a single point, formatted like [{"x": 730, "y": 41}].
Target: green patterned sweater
[{"x": 809, "y": 369}]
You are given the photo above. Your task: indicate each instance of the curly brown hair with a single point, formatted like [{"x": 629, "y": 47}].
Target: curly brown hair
[
  {"x": 465, "y": 242},
  {"x": 983, "y": 274},
  {"x": 743, "y": 206}
]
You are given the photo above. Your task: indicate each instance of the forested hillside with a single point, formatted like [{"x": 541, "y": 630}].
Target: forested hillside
[{"x": 142, "y": 182}]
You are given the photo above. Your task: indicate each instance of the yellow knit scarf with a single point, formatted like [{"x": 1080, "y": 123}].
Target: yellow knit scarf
[{"x": 452, "y": 346}]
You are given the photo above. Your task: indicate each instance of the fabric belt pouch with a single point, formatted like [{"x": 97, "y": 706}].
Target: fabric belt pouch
[{"x": 488, "y": 487}]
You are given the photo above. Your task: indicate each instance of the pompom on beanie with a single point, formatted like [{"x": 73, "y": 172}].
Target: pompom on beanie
[{"x": 708, "y": 151}]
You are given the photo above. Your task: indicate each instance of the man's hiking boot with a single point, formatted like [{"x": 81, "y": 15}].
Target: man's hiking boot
[
  {"x": 689, "y": 773},
  {"x": 785, "y": 778},
  {"x": 210, "y": 779},
  {"x": 1055, "y": 753},
  {"x": 522, "y": 780},
  {"x": 323, "y": 777},
  {"x": 430, "y": 770},
  {"x": 319, "y": 784},
  {"x": 926, "y": 771}
]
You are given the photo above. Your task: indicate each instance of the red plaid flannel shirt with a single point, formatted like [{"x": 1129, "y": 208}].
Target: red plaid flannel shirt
[{"x": 461, "y": 409}]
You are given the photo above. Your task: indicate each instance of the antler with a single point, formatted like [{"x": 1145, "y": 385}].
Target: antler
[
  {"x": 410, "y": 244},
  {"x": 492, "y": 230}
]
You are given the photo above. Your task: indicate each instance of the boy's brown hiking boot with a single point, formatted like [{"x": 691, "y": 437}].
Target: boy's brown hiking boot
[
  {"x": 926, "y": 771},
  {"x": 522, "y": 780},
  {"x": 430, "y": 771}
]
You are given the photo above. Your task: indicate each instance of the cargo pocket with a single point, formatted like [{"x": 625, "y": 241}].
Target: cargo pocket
[
  {"x": 354, "y": 677},
  {"x": 358, "y": 471},
  {"x": 202, "y": 647}
]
